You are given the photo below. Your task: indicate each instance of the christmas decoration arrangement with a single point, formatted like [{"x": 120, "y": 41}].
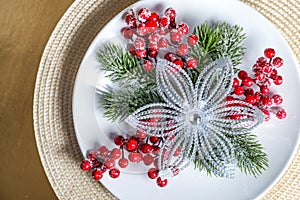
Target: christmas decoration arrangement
[{"x": 186, "y": 99}]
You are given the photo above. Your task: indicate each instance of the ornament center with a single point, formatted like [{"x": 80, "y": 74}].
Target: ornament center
[{"x": 195, "y": 118}]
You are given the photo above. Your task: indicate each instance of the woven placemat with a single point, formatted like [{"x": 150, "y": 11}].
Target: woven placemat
[{"x": 53, "y": 122}]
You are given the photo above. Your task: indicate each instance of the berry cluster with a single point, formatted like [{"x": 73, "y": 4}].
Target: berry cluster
[
  {"x": 257, "y": 90},
  {"x": 135, "y": 149},
  {"x": 149, "y": 32}
]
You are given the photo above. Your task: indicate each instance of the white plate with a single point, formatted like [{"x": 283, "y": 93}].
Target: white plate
[{"x": 280, "y": 138}]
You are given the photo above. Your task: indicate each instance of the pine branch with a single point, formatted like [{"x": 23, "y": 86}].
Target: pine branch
[
  {"x": 249, "y": 153},
  {"x": 124, "y": 68},
  {"x": 119, "y": 104},
  {"x": 216, "y": 41}
]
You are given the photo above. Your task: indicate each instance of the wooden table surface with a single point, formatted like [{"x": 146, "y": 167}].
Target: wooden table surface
[{"x": 25, "y": 29}]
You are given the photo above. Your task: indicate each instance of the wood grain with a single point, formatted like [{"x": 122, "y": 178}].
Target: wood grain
[{"x": 25, "y": 29}]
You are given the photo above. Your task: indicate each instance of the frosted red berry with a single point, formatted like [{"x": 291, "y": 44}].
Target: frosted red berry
[
  {"x": 139, "y": 43},
  {"x": 269, "y": 53},
  {"x": 152, "y": 173},
  {"x": 171, "y": 13},
  {"x": 191, "y": 63},
  {"x": 182, "y": 50},
  {"x": 116, "y": 153},
  {"x": 267, "y": 68},
  {"x": 148, "y": 159},
  {"x": 281, "y": 114},
  {"x": 278, "y": 80},
  {"x": 192, "y": 40},
  {"x": 135, "y": 157},
  {"x": 267, "y": 101},
  {"x": 277, "y": 62},
  {"x": 148, "y": 65},
  {"x": 163, "y": 43},
  {"x": 123, "y": 162},
  {"x": 141, "y": 53},
  {"x": 183, "y": 28},
  {"x": 273, "y": 74},
  {"x": 114, "y": 173},
  {"x": 142, "y": 29},
  {"x": 103, "y": 151},
  {"x": 277, "y": 99},
  {"x": 141, "y": 134},
  {"x": 170, "y": 57},
  {"x": 153, "y": 37},
  {"x": 109, "y": 163},
  {"x": 164, "y": 22},
  {"x": 175, "y": 36},
  {"x": 265, "y": 89},
  {"x": 130, "y": 20},
  {"x": 161, "y": 182},
  {"x": 86, "y": 165},
  {"x": 250, "y": 99},
  {"x": 144, "y": 14}
]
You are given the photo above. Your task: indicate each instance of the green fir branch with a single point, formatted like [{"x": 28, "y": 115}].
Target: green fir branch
[
  {"x": 124, "y": 68},
  {"x": 119, "y": 104},
  {"x": 216, "y": 41},
  {"x": 249, "y": 153}
]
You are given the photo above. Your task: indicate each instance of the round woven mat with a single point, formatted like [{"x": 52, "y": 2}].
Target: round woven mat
[{"x": 53, "y": 122}]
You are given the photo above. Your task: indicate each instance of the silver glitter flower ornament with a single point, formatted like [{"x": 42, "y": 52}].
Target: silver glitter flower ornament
[{"x": 194, "y": 120}]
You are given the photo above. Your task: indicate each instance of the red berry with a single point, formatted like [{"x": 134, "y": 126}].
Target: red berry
[
  {"x": 249, "y": 91},
  {"x": 257, "y": 96},
  {"x": 152, "y": 173},
  {"x": 191, "y": 63},
  {"x": 142, "y": 29},
  {"x": 277, "y": 99},
  {"x": 92, "y": 155},
  {"x": 171, "y": 13},
  {"x": 141, "y": 134},
  {"x": 154, "y": 139},
  {"x": 144, "y": 14},
  {"x": 97, "y": 174},
  {"x": 178, "y": 62},
  {"x": 192, "y": 40},
  {"x": 154, "y": 17},
  {"x": 141, "y": 53},
  {"x": 250, "y": 99},
  {"x": 114, "y": 173},
  {"x": 131, "y": 145},
  {"x": 109, "y": 163},
  {"x": 267, "y": 101},
  {"x": 119, "y": 140},
  {"x": 242, "y": 74},
  {"x": 277, "y": 62},
  {"x": 86, "y": 165},
  {"x": 151, "y": 26},
  {"x": 116, "y": 153},
  {"x": 261, "y": 61},
  {"x": 235, "y": 82},
  {"x": 148, "y": 65},
  {"x": 164, "y": 22},
  {"x": 163, "y": 43},
  {"x": 248, "y": 82},
  {"x": 135, "y": 157},
  {"x": 148, "y": 159},
  {"x": 182, "y": 50},
  {"x": 153, "y": 38},
  {"x": 183, "y": 28},
  {"x": 161, "y": 183},
  {"x": 273, "y": 74},
  {"x": 170, "y": 57},
  {"x": 278, "y": 80},
  {"x": 130, "y": 20},
  {"x": 267, "y": 68},
  {"x": 162, "y": 31},
  {"x": 146, "y": 148},
  {"x": 260, "y": 76},
  {"x": 127, "y": 33},
  {"x": 239, "y": 90},
  {"x": 281, "y": 114},
  {"x": 123, "y": 162},
  {"x": 175, "y": 36},
  {"x": 156, "y": 150},
  {"x": 131, "y": 49},
  {"x": 269, "y": 52},
  {"x": 264, "y": 89},
  {"x": 153, "y": 47},
  {"x": 103, "y": 151},
  {"x": 139, "y": 43},
  {"x": 153, "y": 53}
]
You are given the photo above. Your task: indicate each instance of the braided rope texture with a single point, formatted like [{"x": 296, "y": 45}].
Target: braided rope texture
[{"x": 53, "y": 121}]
